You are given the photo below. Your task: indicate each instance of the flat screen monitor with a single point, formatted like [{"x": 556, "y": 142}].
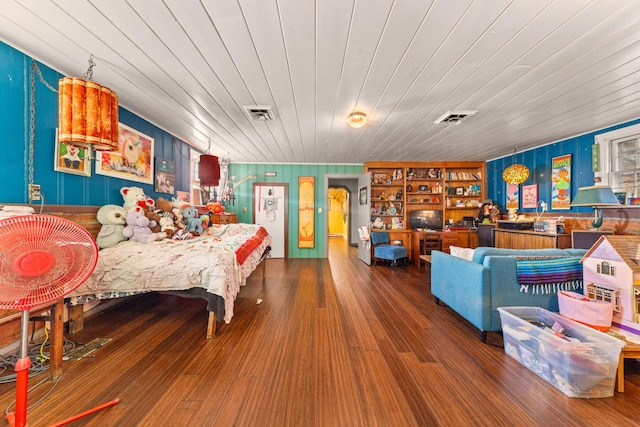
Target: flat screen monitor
[
  {"x": 584, "y": 239},
  {"x": 426, "y": 219}
]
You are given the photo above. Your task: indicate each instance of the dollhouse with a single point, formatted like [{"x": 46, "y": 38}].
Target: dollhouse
[{"x": 611, "y": 272}]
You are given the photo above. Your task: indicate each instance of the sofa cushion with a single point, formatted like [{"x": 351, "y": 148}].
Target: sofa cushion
[
  {"x": 482, "y": 252},
  {"x": 464, "y": 253},
  {"x": 576, "y": 252}
]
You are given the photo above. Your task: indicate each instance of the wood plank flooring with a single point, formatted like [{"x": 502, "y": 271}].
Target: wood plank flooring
[{"x": 334, "y": 343}]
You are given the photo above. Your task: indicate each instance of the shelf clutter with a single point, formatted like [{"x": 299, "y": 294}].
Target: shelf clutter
[{"x": 449, "y": 191}]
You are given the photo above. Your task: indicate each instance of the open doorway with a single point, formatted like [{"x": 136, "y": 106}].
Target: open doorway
[
  {"x": 348, "y": 183},
  {"x": 338, "y": 217}
]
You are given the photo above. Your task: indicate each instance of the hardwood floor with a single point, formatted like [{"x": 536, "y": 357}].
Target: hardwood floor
[{"x": 333, "y": 343}]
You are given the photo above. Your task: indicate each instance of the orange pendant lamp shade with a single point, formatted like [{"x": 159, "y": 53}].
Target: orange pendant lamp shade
[
  {"x": 88, "y": 114},
  {"x": 209, "y": 170}
]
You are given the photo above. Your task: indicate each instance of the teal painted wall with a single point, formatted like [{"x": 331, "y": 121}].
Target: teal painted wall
[
  {"x": 539, "y": 163},
  {"x": 58, "y": 187},
  {"x": 288, "y": 173}
]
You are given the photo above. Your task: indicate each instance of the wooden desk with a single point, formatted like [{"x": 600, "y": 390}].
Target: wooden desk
[
  {"x": 427, "y": 265},
  {"x": 524, "y": 239},
  {"x": 461, "y": 238}
]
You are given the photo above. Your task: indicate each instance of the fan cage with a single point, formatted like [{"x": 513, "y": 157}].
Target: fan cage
[{"x": 42, "y": 258}]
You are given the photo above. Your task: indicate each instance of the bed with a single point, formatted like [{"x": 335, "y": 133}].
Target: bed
[{"x": 213, "y": 266}]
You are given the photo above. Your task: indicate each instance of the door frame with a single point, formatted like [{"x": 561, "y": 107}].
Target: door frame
[{"x": 353, "y": 202}]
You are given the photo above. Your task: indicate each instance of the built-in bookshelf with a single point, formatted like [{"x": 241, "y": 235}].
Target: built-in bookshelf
[{"x": 397, "y": 188}]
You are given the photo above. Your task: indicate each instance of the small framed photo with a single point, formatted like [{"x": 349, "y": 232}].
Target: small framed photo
[
  {"x": 183, "y": 196},
  {"x": 459, "y": 191},
  {"x": 422, "y": 188},
  {"x": 71, "y": 158},
  {"x": 363, "y": 196}
]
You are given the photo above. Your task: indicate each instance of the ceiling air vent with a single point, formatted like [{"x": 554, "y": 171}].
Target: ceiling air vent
[
  {"x": 258, "y": 112},
  {"x": 454, "y": 117}
]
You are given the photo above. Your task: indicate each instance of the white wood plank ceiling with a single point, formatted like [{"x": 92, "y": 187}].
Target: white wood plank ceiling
[{"x": 536, "y": 71}]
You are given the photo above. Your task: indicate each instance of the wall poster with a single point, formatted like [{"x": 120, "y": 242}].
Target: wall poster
[
  {"x": 133, "y": 160},
  {"x": 512, "y": 196},
  {"x": 530, "y": 196},
  {"x": 306, "y": 211},
  {"x": 561, "y": 182}
]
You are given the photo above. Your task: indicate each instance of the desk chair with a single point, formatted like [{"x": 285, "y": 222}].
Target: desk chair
[
  {"x": 428, "y": 243},
  {"x": 383, "y": 249}
]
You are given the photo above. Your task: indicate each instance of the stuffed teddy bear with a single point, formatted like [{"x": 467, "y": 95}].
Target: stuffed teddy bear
[
  {"x": 177, "y": 213},
  {"x": 154, "y": 219},
  {"x": 166, "y": 225},
  {"x": 133, "y": 196},
  {"x": 137, "y": 228},
  {"x": 112, "y": 218},
  {"x": 163, "y": 205},
  {"x": 192, "y": 220},
  {"x": 164, "y": 208}
]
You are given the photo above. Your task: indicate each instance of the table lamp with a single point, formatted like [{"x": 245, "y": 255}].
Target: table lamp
[{"x": 596, "y": 196}]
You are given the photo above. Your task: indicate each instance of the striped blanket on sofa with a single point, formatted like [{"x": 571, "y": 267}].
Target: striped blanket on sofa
[{"x": 544, "y": 275}]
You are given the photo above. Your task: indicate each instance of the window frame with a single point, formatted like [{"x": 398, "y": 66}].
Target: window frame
[{"x": 608, "y": 172}]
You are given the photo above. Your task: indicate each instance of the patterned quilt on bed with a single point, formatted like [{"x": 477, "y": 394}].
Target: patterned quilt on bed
[{"x": 218, "y": 261}]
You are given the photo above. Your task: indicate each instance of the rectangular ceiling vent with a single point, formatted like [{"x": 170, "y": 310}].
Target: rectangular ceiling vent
[
  {"x": 454, "y": 117},
  {"x": 259, "y": 112}
]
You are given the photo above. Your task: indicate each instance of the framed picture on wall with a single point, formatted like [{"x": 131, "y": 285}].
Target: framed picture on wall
[
  {"x": 165, "y": 176},
  {"x": 134, "y": 159},
  {"x": 363, "y": 196},
  {"x": 561, "y": 182},
  {"x": 530, "y": 196},
  {"x": 513, "y": 196},
  {"x": 71, "y": 159},
  {"x": 306, "y": 212}
]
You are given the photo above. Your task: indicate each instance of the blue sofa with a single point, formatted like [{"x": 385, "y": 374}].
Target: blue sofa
[{"x": 476, "y": 288}]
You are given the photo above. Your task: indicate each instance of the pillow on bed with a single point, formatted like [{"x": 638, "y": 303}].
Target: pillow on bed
[{"x": 464, "y": 253}]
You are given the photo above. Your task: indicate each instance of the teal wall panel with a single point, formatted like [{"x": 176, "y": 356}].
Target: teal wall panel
[{"x": 287, "y": 173}]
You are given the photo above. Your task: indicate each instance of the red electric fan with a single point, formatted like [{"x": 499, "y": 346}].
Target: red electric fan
[{"x": 42, "y": 258}]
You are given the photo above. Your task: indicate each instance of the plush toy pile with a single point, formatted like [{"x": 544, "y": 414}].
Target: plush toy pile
[{"x": 144, "y": 220}]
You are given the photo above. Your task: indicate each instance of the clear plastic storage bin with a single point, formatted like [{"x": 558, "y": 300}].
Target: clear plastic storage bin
[{"x": 581, "y": 362}]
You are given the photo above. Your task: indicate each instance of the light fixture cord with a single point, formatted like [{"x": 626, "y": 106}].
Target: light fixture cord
[
  {"x": 32, "y": 118},
  {"x": 89, "y": 74},
  {"x": 33, "y": 70}
]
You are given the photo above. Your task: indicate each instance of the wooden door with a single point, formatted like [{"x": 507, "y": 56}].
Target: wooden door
[{"x": 270, "y": 210}]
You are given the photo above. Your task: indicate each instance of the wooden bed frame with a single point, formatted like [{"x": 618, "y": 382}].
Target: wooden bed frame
[{"x": 85, "y": 216}]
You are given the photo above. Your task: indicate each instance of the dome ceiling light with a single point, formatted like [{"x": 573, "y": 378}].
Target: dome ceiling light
[{"x": 357, "y": 119}]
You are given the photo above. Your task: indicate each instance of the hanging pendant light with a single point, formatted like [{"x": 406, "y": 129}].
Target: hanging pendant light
[
  {"x": 209, "y": 170},
  {"x": 516, "y": 173},
  {"x": 88, "y": 112}
]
